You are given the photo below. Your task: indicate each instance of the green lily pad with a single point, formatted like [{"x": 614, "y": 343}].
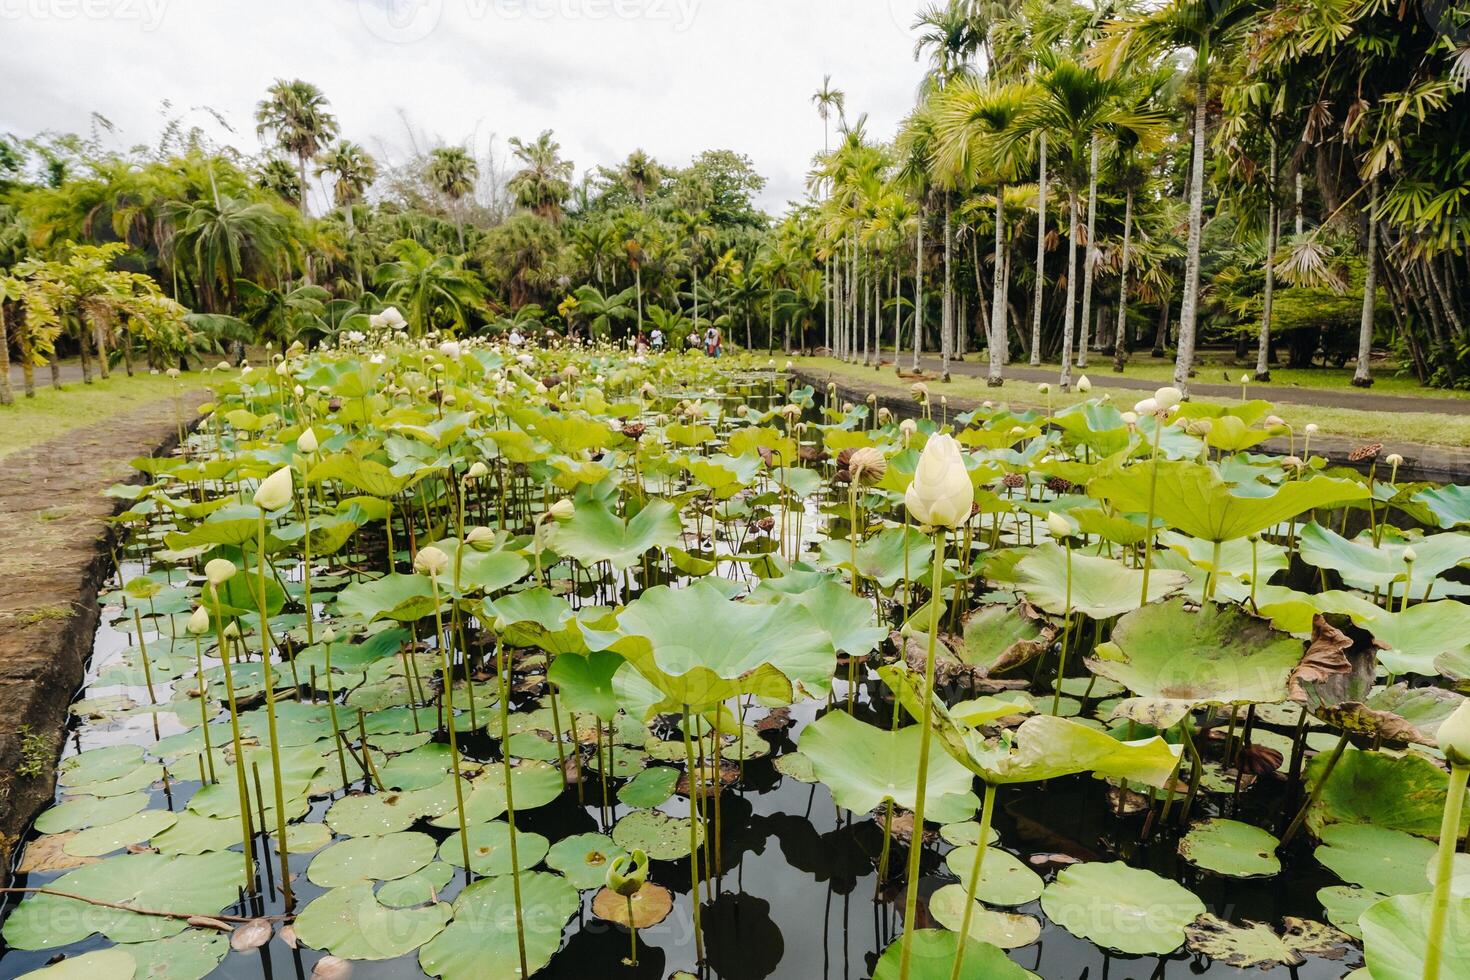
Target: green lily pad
[
  {"x": 1253, "y": 944},
  {"x": 303, "y": 838},
  {"x": 203, "y": 884},
  {"x": 99, "y": 765},
  {"x": 193, "y": 833},
  {"x": 190, "y": 955},
  {"x": 1003, "y": 929},
  {"x": 660, "y": 836},
  {"x": 417, "y": 888},
  {"x": 797, "y": 766},
  {"x": 1396, "y": 935},
  {"x": 998, "y": 638},
  {"x": 594, "y": 534},
  {"x": 115, "y": 963},
  {"x": 1176, "y": 660},
  {"x": 367, "y": 814},
  {"x": 533, "y": 784},
  {"x": 933, "y": 954},
  {"x": 364, "y": 859},
  {"x": 351, "y": 923},
  {"x": 1004, "y": 878},
  {"x": 1344, "y": 905},
  {"x": 968, "y": 832},
  {"x": 481, "y": 941},
  {"x": 584, "y": 858},
  {"x": 1101, "y": 587},
  {"x": 89, "y": 811},
  {"x": 1126, "y": 909},
  {"x": 1231, "y": 848},
  {"x": 649, "y": 788},
  {"x": 98, "y": 841},
  {"x": 1381, "y": 860},
  {"x": 864, "y": 765},
  {"x": 1404, "y": 793},
  {"x": 490, "y": 849}
]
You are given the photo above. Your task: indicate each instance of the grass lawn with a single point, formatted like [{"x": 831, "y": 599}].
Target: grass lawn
[
  {"x": 1426, "y": 428},
  {"x": 32, "y": 421}
]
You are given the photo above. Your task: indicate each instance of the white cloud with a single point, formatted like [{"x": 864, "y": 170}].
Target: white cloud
[{"x": 670, "y": 76}]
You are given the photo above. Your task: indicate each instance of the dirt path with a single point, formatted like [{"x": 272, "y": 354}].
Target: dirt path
[
  {"x": 1440, "y": 464},
  {"x": 54, "y": 555},
  {"x": 1211, "y": 384}
]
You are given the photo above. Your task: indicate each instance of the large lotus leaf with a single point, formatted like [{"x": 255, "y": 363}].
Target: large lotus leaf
[
  {"x": 891, "y": 556},
  {"x": 538, "y": 618},
  {"x": 724, "y": 474},
  {"x": 1396, "y": 935},
  {"x": 367, "y": 475},
  {"x": 699, "y": 648},
  {"x": 595, "y": 534},
  {"x": 193, "y": 833},
  {"x": 366, "y": 814},
  {"x": 1254, "y": 944},
  {"x": 1004, "y": 878},
  {"x": 1365, "y": 565},
  {"x": 421, "y": 768},
  {"x": 352, "y": 924},
  {"x": 1344, "y": 905},
  {"x": 234, "y": 525},
  {"x": 932, "y": 957},
  {"x": 1101, "y": 587},
  {"x": 999, "y": 637},
  {"x": 1415, "y": 637},
  {"x": 371, "y": 859},
  {"x": 190, "y": 955},
  {"x": 490, "y": 851},
  {"x": 1192, "y": 498},
  {"x": 78, "y": 812},
  {"x": 1044, "y": 747},
  {"x": 1381, "y": 860},
  {"x": 1007, "y": 930},
  {"x": 586, "y": 683},
  {"x": 1231, "y": 848},
  {"x": 534, "y": 784},
  {"x": 660, "y": 836},
  {"x": 1397, "y": 714},
  {"x": 847, "y": 619},
  {"x": 416, "y": 889},
  {"x": 99, "y": 765},
  {"x": 481, "y": 941},
  {"x": 479, "y": 571},
  {"x": 405, "y": 598},
  {"x": 1404, "y": 792},
  {"x": 1450, "y": 505},
  {"x": 1122, "y": 908},
  {"x": 1176, "y": 660},
  {"x": 1238, "y": 557},
  {"x": 97, "y": 841},
  {"x": 864, "y": 765},
  {"x": 649, "y": 788},
  {"x": 201, "y": 884},
  {"x": 584, "y": 858}
]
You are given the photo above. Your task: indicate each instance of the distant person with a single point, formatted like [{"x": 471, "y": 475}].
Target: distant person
[
  {"x": 713, "y": 342},
  {"x": 656, "y": 340}
]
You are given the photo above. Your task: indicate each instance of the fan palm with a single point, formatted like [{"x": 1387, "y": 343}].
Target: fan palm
[
  {"x": 452, "y": 172},
  {"x": 295, "y": 114},
  {"x": 544, "y": 181},
  {"x": 435, "y": 292}
]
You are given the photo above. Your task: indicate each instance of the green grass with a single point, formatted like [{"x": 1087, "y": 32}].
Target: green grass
[
  {"x": 1427, "y": 428},
  {"x": 52, "y": 413}
]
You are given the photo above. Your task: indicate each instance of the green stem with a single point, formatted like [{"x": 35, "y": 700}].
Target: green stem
[
  {"x": 270, "y": 712},
  {"x": 1148, "y": 528},
  {"x": 1449, "y": 834},
  {"x": 464, "y": 836},
  {"x": 1312, "y": 797},
  {"x": 987, "y": 810},
  {"x": 693, "y": 837},
  {"x": 1056, "y": 698},
  {"x": 502, "y": 670}
]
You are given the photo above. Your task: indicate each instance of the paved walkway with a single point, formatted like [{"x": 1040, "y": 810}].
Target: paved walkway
[{"x": 1100, "y": 372}]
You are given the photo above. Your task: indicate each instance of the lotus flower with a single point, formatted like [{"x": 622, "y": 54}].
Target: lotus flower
[
  {"x": 275, "y": 490},
  {"x": 563, "y": 510},
  {"x": 199, "y": 621},
  {"x": 430, "y": 561},
  {"x": 307, "y": 443},
  {"x": 219, "y": 571},
  {"x": 941, "y": 494}
]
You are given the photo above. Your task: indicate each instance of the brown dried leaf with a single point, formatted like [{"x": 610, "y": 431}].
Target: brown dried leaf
[
  {"x": 48, "y": 853},
  {"x": 1326, "y": 657},
  {"x": 252, "y": 935}
]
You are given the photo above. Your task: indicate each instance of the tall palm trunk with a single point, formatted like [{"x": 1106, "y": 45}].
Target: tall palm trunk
[
  {"x": 1040, "y": 257},
  {"x": 1268, "y": 297},
  {"x": 27, "y": 363},
  {"x": 638, "y": 293},
  {"x": 1120, "y": 335},
  {"x": 998, "y": 301},
  {"x": 827, "y": 304},
  {"x": 918, "y": 292},
  {"x": 897, "y": 311},
  {"x": 1069, "y": 320},
  {"x": 1090, "y": 259},
  {"x": 947, "y": 321},
  {"x": 99, "y": 335},
  {"x": 1363, "y": 377},
  {"x": 305, "y": 214},
  {"x": 1189, "y": 306},
  {"x": 7, "y": 396}
]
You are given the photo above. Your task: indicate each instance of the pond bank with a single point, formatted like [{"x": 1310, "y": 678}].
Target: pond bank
[
  {"x": 1438, "y": 464},
  {"x": 57, "y": 555}
]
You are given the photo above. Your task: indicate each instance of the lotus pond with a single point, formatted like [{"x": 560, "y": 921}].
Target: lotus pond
[{"x": 472, "y": 662}]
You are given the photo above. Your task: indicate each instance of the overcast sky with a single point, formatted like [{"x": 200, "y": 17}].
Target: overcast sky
[{"x": 671, "y": 76}]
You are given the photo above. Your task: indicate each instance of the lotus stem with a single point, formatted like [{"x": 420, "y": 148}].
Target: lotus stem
[
  {"x": 464, "y": 837},
  {"x": 332, "y": 713},
  {"x": 270, "y": 711},
  {"x": 1449, "y": 835},
  {"x": 1056, "y": 698},
  {"x": 502, "y": 671},
  {"x": 987, "y": 811},
  {"x": 1316, "y": 793},
  {"x": 240, "y": 787},
  {"x": 1148, "y": 527},
  {"x": 203, "y": 705},
  {"x": 693, "y": 838},
  {"x": 143, "y": 651},
  {"x": 916, "y": 842}
]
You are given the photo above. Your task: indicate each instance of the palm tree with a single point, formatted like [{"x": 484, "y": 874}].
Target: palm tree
[
  {"x": 354, "y": 171},
  {"x": 947, "y": 32},
  {"x": 279, "y": 177},
  {"x": 295, "y": 114},
  {"x": 915, "y": 145},
  {"x": 1206, "y": 27},
  {"x": 544, "y": 181},
  {"x": 221, "y": 241},
  {"x": 434, "y": 291},
  {"x": 1363, "y": 377},
  {"x": 286, "y": 313},
  {"x": 452, "y": 172},
  {"x": 640, "y": 173},
  {"x": 601, "y": 311},
  {"x": 829, "y": 100}
]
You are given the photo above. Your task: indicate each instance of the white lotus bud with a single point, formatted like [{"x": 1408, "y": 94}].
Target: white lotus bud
[
  {"x": 563, "y": 510},
  {"x": 1245, "y": 379},
  {"x": 199, "y": 621},
  {"x": 789, "y": 365},
  {"x": 1275, "y": 422},
  {"x": 477, "y": 471},
  {"x": 1453, "y": 735},
  {"x": 1130, "y": 419},
  {"x": 1147, "y": 406},
  {"x": 1058, "y": 525},
  {"x": 232, "y": 630},
  {"x": 430, "y": 561},
  {"x": 329, "y": 635},
  {"x": 298, "y": 391},
  {"x": 307, "y": 442},
  {"x": 219, "y": 570},
  {"x": 480, "y": 537},
  {"x": 172, "y": 372},
  {"x": 941, "y": 494},
  {"x": 450, "y": 348},
  {"x": 1167, "y": 398},
  {"x": 1394, "y": 459},
  {"x": 1084, "y": 384},
  {"x": 1410, "y": 556},
  {"x": 1310, "y": 428},
  {"x": 1043, "y": 388},
  {"x": 275, "y": 490}
]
